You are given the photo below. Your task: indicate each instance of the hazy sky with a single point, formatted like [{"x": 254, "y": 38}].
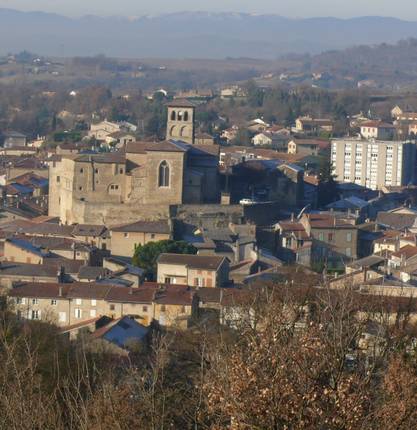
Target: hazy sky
[{"x": 294, "y": 8}]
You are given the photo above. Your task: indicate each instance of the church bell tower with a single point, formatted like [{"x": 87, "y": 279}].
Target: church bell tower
[{"x": 180, "y": 124}]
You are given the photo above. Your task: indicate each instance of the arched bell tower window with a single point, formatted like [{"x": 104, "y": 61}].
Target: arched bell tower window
[
  {"x": 180, "y": 115},
  {"x": 173, "y": 115},
  {"x": 163, "y": 177}
]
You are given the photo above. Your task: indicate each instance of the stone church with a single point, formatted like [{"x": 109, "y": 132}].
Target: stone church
[{"x": 142, "y": 181}]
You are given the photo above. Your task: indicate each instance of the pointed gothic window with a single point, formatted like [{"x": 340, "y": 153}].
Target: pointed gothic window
[{"x": 163, "y": 174}]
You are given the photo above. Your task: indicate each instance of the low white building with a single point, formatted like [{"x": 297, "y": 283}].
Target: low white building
[{"x": 377, "y": 130}]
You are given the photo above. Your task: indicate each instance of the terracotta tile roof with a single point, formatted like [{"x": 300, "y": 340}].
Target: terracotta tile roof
[
  {"x": 407, "y": 252},
  {"x": 377, "y": 124}
]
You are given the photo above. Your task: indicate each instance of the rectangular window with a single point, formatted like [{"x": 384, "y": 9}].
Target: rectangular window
[
  {"x": 35, "y": 301},
  {"x": 349, "y": 237},
  {"x": 36, "y": 315},
  {"x": 62, "y": 317},
  {"x": 330, "y": 237},
  {"x": 144, "y": 309},
  {"x": 77, "y": 313},
  {"x": 126, "y": 235},
  {"x": 78, "y": 301},
  {"x": 93, "y": 313},
  {"x": 58, "y": 179},
  {"x": 321, "y": 236},
  {"x": 163, "y": 308},
  {"x": 93, "y": 302},
  {"x": 112, "y": 307},
  {"x": 348, "y": 252},
  {"x": 53, "y": 302}
]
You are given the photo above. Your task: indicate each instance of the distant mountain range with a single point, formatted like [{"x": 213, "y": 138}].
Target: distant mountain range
[{"x": 192, "y": 34}]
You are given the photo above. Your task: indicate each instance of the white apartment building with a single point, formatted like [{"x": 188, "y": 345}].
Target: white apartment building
[{"x": 373, "y": 163}]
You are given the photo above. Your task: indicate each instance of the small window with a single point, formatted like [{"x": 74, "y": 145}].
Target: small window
[
  {"x": 349, "y": 237},
  {"x": 93, "y": 302},
  {"x": 112, "y": 307},
  {"x": 93, "y": 313},
  {"x": 126, "y": 235},
  {"x": 96, "y": 170},
  {"x": 35, "y": 301},
  {"x": 330, "y": 237},
  {"x": 152, "y": 235},
  {"x": 62, "y": 317},
  {"x": 53, "y": 302},
  {"x": 78, "y": 301},
  {"x": 144, "y": 309},
  {"x": 81, "y": 170},
  {"x": 321, "y": 236},
  {"x": 80, "y": 188},
  {"x": 58, "y": 179},
  {"x": 121, "y": 171},
  {"x": 163, "y": 308},
  {"x": 35, "y": 315},
  {"x": 348, "y": 252},
  {"x": 183, "y": 309},
  {"x": 78, "y": 313}
]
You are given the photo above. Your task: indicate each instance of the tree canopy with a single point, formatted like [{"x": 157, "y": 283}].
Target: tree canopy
[{"x": 145, "y": 256}]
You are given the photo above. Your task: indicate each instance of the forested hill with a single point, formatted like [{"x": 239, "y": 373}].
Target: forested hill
[{"x": 191, "y": 34}]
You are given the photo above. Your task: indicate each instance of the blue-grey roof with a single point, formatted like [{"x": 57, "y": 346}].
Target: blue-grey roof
[{"x": 27, "y": 246}]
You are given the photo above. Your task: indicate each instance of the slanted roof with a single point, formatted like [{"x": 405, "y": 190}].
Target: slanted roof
[
  {"x": 370, "y": 261},
  {"x": 397, "y": 221},
  {"x": 106, "y": 157},
  {"x": 92, "y": 272},
  {"x": 122, "y": 331},
  {"x": 89, "y": 230},
  {"x": 180, "y": 103},
  {"x": 161, "y": 227},
  {"x": 164, "y": 146},
  {"x": 204, "y": 262},
  {"x": 31, "y": 270},
  {"x": 406, "y": 252},
  {"x": 29, "y": 247}
]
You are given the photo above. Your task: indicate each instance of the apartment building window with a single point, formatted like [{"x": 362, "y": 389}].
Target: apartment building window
[
  {"x": 330, "y": 237},
  {"x": 93, "y": 313},
  {"x": 35, "y": 301},
  {"x": 112, "y": 307},
  {"x": 20, "y": 301},
  {"x": 321, "y": 236},
  {"x": 348, "y": 252},
  {"x": 349, "y": 237},
  {"x": 62, "y": 317},
  {"x": 53, "y": 302},
  {"x": 144, "y": 309},
  {"x": 78, "y": 301},
  {"x": 93, "y": 302},
  {"x": 36, "y": 314},
  {"x": 78, "y": 313}
]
